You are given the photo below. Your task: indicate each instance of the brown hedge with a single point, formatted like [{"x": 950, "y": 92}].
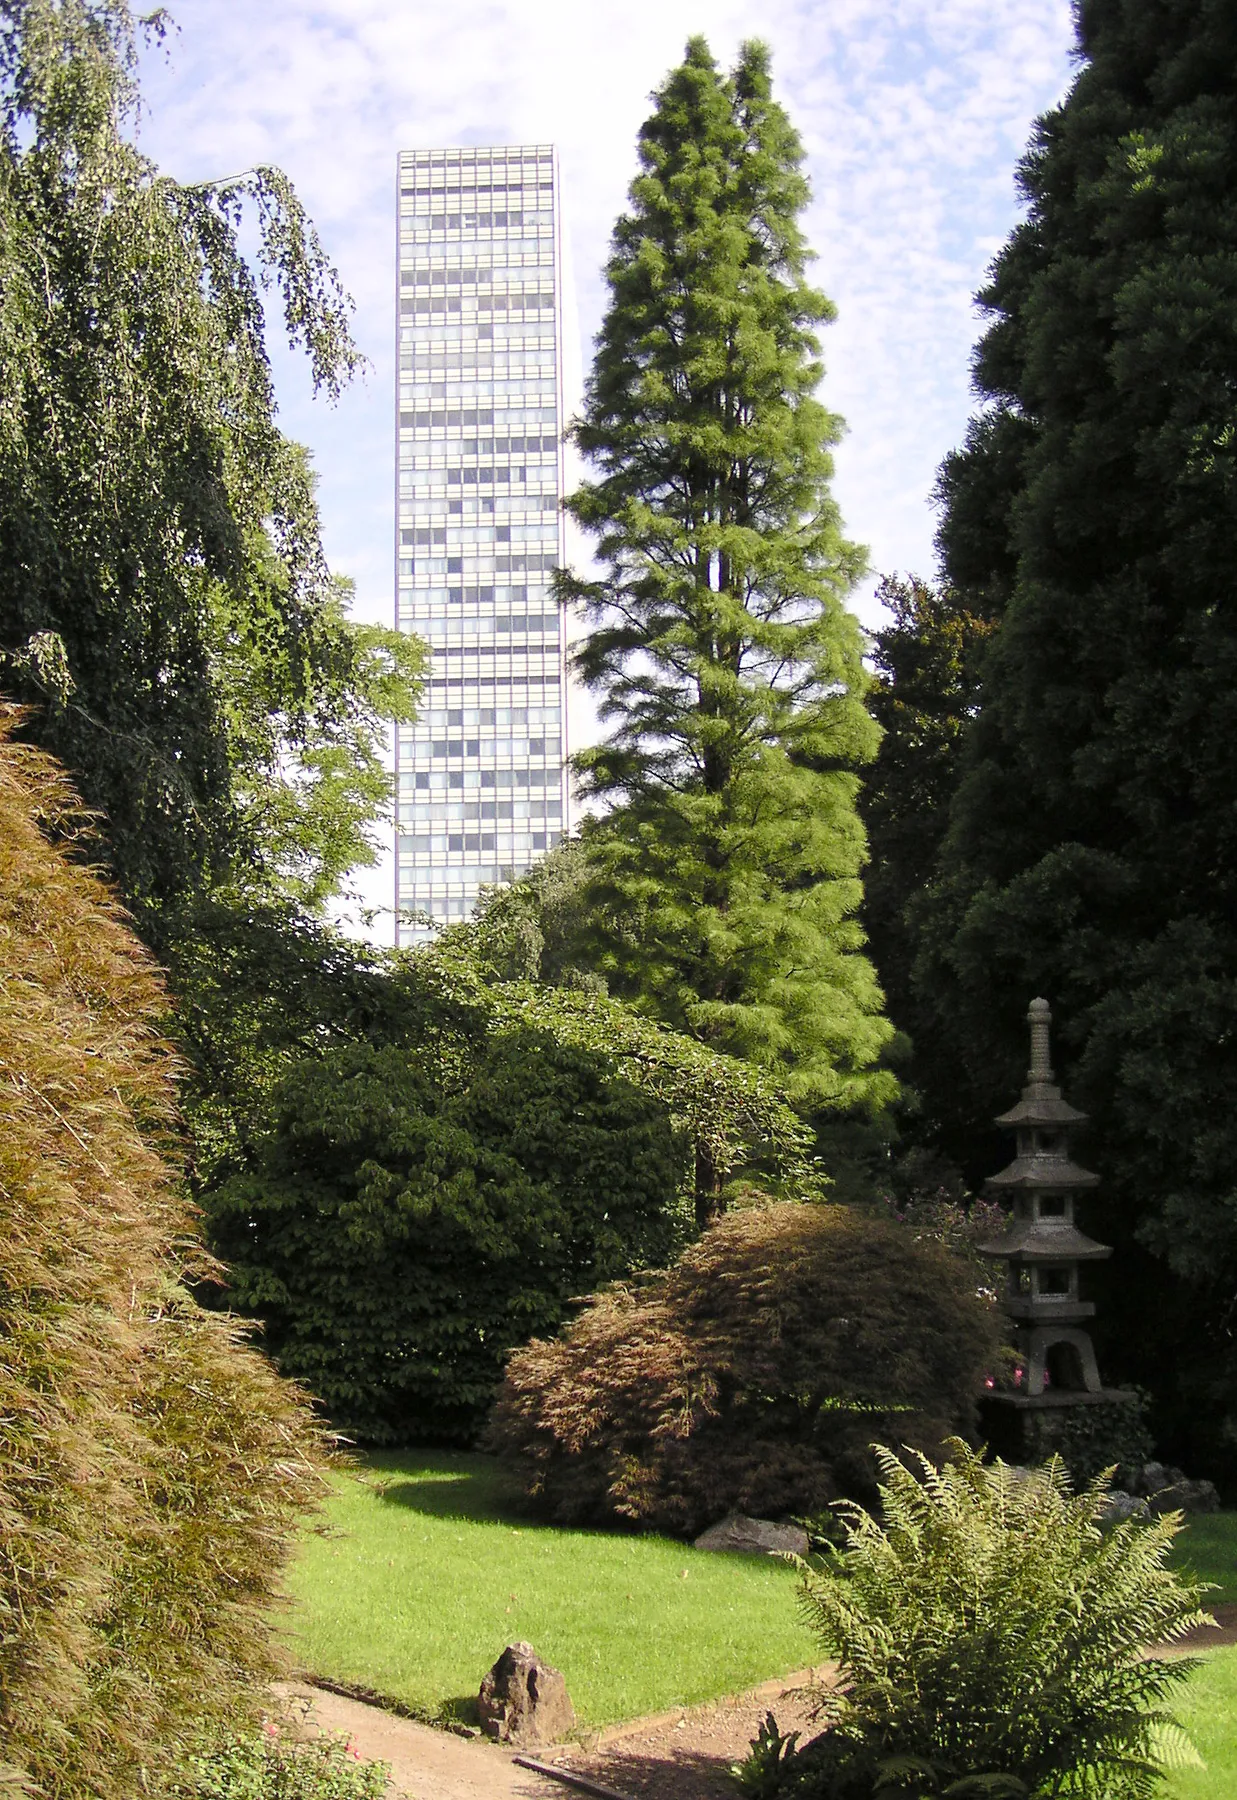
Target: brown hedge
[
  {"x": 151, "y": 1465},
  {"x": 752, "y": 1375}
]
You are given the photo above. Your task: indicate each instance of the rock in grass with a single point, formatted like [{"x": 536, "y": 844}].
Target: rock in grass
[
  {"x": 523, "y": 1700},
  {"x": 761, "y": 1537},
  {"x": 1119, "y": 1505}
]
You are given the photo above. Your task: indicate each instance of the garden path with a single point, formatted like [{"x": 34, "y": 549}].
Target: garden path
[{"x": 681, "y": 1755}]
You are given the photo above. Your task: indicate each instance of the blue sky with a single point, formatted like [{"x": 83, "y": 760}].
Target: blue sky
[{"x": 913, "y": 114}]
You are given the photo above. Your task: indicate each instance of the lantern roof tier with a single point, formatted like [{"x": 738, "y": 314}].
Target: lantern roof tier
[
  {"x": 1041, "y": 1109},
  {"x": 1043, "y": 1171},
  {"x": 1045, "y": 1241}
]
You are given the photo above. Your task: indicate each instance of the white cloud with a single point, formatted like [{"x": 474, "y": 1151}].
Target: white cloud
[{"x": 913, "y": 115}]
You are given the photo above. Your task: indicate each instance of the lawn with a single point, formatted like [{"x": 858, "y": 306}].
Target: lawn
[
  {"x": 1207, "y": 1548},
  {"x": 422, "y": 1574},
  {"x": 1208, "y": 1710}
]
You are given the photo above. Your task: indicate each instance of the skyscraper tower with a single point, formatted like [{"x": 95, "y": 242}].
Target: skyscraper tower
[{"x": 481, "y": 777}]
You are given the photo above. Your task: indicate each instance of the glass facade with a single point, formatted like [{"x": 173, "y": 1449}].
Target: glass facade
[{"x": 481, "y": 777}]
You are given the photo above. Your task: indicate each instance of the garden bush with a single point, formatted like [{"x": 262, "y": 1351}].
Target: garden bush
[
  {"x": 151, "y": 1465},
  {"x": 753, "y": 1374},
  {"x": 991, "y": 1640},
  {"x": 272, "y": 1765},
  {"x": 414, "y": 1210}
]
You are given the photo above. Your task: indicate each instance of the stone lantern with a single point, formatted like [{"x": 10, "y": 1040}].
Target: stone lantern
[{"x": 1042, "y": 1247}]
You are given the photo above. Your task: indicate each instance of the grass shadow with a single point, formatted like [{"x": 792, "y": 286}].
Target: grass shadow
[{"x": 448, "y": 1485}]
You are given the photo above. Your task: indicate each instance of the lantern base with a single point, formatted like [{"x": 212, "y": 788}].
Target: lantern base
[{"x": 1088, "y": 1431}]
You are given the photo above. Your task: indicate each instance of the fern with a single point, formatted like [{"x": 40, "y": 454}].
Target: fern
[{"x": 991, "y": 1641}]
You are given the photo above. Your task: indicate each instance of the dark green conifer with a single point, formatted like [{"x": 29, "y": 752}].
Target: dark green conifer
[
  {"x": 726, "y": 874},
  {"x": 1092, "y": 855}
]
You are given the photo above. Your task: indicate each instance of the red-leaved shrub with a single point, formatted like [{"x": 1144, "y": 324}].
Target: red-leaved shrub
[{"x": 754, "y": 1374}]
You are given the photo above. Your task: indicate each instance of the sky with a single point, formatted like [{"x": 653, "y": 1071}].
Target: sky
[{"x": 913, "y": 115}]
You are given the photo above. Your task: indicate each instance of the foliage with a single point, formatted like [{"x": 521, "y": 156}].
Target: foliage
[
  {"x": 537, "y": 928},
  {"x": 926, "y": 660},
  {"x": 991, "y": 1641},
  {"x": 736, "y": 1117},
  {"x": 259, "y": 988},
  {"x": 151, "y": 1465},
  {"x": 273, "y": 1766},
  {"x": 164, "y": 600},
  {"x": 439, "y": 1530},
  {"x": 406, "y": 1216},
  {"x": 1092, "y": 855},
  {"x": 751, "y": 1375},
  {"x": 726, "y": 868},
  {"x": 760, "y": 1776}
]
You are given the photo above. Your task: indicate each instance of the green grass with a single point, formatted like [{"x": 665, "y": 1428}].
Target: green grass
[
  {"x": 424, "y": 1574},
  {"x": 1208, "y": 1710},
  {"x": 1207, "y": 1548}
]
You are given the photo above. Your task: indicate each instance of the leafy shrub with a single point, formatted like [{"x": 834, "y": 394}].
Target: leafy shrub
[
  {"x": 151, "y": 1466},
  {"x": 272, "y": 1766},
  {"x": 409, "y": 1214},
  {"x": 752, "y": 1374},
  {"x": 989, "y": 1634}
]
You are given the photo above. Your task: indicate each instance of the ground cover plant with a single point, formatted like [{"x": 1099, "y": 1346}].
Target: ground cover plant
[
  {"x": 274, "y": 1764},
  {"x": 425, "y": 1571},
  {"x": 151, "y": 1465},
  {"x": 991, "y": 1637},
  {"x": 754, "y": 1374}
]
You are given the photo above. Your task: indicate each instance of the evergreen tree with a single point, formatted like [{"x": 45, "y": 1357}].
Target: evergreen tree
[
  {"x": 1092, "y": 854},
  {"x": 726, "y": 874},
  {"x": 926, "y": 660}
]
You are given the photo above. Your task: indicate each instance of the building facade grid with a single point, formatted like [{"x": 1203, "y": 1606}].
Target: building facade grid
[{"x": 481, "y": 777}]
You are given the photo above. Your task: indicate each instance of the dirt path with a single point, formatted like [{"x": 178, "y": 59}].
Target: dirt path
[{"x": 680, "y": 1755}]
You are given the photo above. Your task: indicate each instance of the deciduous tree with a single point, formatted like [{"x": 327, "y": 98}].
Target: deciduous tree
[{"x": 164, "y": 600}]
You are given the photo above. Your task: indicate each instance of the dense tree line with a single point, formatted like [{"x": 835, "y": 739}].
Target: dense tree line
[{"x": 1085, "y": 822}]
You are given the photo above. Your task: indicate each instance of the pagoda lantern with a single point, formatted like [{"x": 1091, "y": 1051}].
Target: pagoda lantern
[{"x": 1042, "y": 1247}]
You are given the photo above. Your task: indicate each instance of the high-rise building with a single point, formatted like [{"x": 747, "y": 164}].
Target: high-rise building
[{"x": 481, "y": 777}]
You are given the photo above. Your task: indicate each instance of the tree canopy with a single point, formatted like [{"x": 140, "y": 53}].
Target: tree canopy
[
  {"x": 726, "y": 868},
  {"x": 1092, "y": 853},
  {"x": 165, "y": 604}
]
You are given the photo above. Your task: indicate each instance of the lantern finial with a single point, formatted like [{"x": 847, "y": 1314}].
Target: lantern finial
[{"x": 1039, "y": 1017}]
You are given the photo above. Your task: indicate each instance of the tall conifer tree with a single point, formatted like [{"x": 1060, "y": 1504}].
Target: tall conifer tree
[
  {"x": 726, "y": 874},
  {"x": 1092, "y": 854}
]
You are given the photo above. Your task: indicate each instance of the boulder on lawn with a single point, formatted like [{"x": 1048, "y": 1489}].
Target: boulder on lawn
[
  {"x": 1119, "y": 1505},
  {"x": 523, "y": 1700},
  {"x": 759, "y": 1537},
  {"x": 1168, "y": 1489},
  {"x": 1185, "y": 1496}
]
